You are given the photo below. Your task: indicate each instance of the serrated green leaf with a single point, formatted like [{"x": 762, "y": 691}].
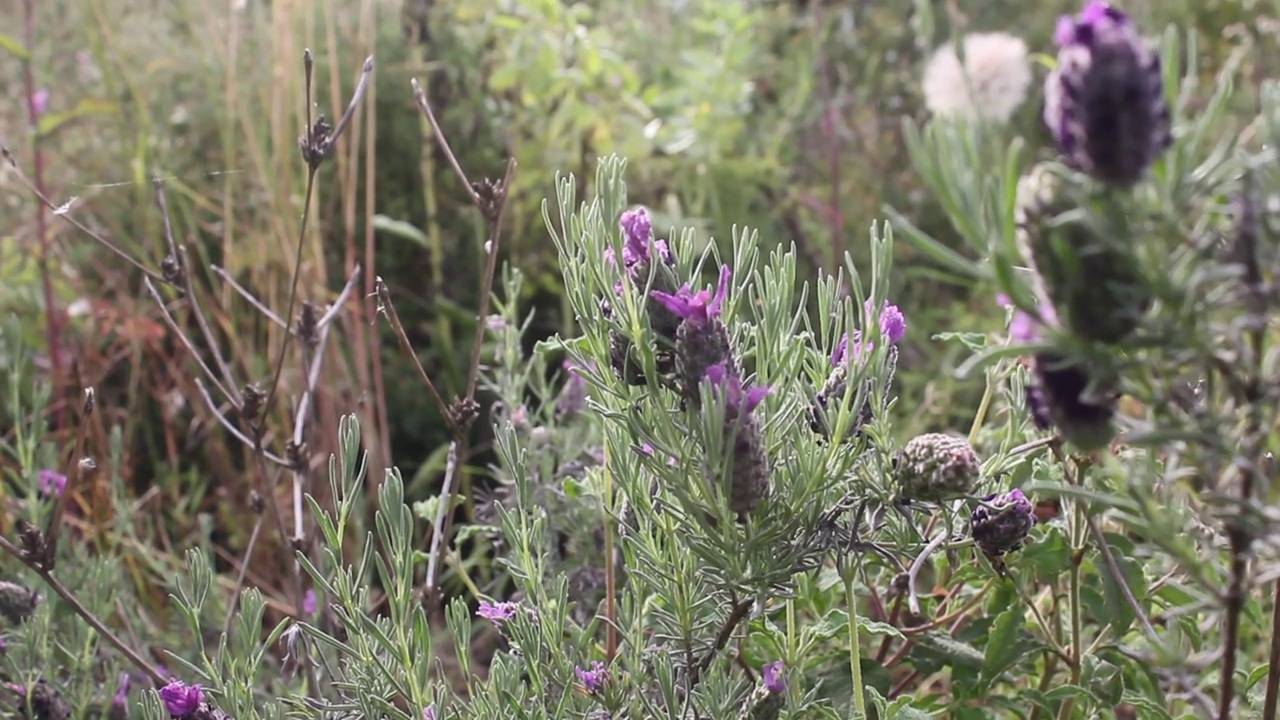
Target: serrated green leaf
[{"x": 1003, "y": 648}]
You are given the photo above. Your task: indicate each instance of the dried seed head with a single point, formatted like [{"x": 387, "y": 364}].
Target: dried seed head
[
  {"x": 1059, "y": 396},
  {"x": 1104, "y": 102},
  {"x": 171, "y": 269},
  {"x": 309, "y": 324},
  {"x": 1002, "y": 522},
  {"x": 17, "y": 603},
  {"x": 253, "y": 400},
  {"x": 935, "y": 467}
]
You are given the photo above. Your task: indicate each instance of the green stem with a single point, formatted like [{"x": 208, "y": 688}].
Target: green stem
[
  {"x": 983, "y": 406},
  {"x": 855, "y": 650}
]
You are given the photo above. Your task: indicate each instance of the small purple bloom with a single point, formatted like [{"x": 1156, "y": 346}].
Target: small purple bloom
[
  {"x": 181, "y": 699},
  {"x": 1024, "y": 327},
  {"x": 309, "y": 604},
  {"x": 497, "y": 613},
  {"x": 40, "y": 101},
  {"x": 774, "y": 681},
  {"x": 122, "y": 690},
  {"x": 697, "y": 308},
  {"x": 737, "y": 396},
  {"x": 893, "y": 326},
  {"x": 593, "y": 680},
  {"x": 429, "y": 712},
  {"x": 52, "y": 483},
  {"x": 637, "y": 230}
]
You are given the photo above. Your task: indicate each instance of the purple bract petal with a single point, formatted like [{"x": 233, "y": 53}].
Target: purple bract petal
[
  {"x": 180, "y": 699},
  {"x": 774, "y": 682}
]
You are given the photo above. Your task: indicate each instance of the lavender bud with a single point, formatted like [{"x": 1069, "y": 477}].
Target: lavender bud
[
  {"x": 43, "y": 702},
  {"x": 1104, "y": 102},
  {"x": 1089, "y": 274},
  {"x": 702, "y": 339},
  {"x": 1002, "y": 522},
  {"x": 1059, "y": 396},
  {"x": 181, "y": 700},
  {"x": 936, "y": 467},
  {"x": 750, "y": 464},
  {"x": 769, "y": 697},
  {"x": 594, "y": 679},
  {"x": 17, "y": 603}
]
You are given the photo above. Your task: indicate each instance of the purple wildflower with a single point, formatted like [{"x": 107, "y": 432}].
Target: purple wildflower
[
  {"x": 594, "y": 679},
  {"x": 893, "y": 326},
  {"x": 429, "y": 712},
  {"x": 740, "y": 398},
  {"x": 698, "y": 308},
  {"x": 774, "y": 681},
  {"x": 309, "y": 603},
  {"x": 40, "y": 102},
  {"x": 52, "y": 483},
  {"x": 497, "y": 613},
  {"x": 120, "y": 701},
  {"x": 180, "y": 699}
]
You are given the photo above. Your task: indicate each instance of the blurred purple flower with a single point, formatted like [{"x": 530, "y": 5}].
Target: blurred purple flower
[
  {"x": 429, "y": 712},
  {"x": 309, "y": 604},
  {"x": 181, "y": 699},
  {"x": 698, "y": 308},
  {"x": 52, "y": 483},
  {"x": 774, "y": 681},
  {"x": 40, "y": 101},
  {"x": 593, "y": 680}
]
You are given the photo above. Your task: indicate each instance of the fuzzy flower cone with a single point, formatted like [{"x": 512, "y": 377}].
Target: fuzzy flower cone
[
  {"x": 17, "y": 603},
  {"x": 892, "y": 328},
  {"x": 45, "y": 703},
  {"x": 750, "y": 474},
  {"x": 1002, "y": 522},
  {"x": 1059, "y": 396},
  {"x": 638, "y": 252},
  {"x": 1093, "y": 280},
  {"x": 936, "y": 467},
  {"x": 702, "y": 339},
  {"x": 1104, "y": 102}
]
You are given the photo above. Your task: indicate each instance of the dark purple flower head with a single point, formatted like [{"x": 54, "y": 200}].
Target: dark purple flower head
[
  {"x": 1002, "y": 522},
  {"x": 594, "y": 679},
  {"x": 1104, "y": 102},
  {"x": 774, "y": 681},
  {"x": 738, "y": 397},
  {"x": 697, "y": 308},
  {"x": 180, "y": 699},
  {"x": 497, "y": 613},
  {"x": 52, "y": 483}
]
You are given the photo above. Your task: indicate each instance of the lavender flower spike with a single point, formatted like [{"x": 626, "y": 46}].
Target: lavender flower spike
[
  {"x": 594, "y": 679},
  {"x": 749, "y": 472},
  {"x": 181, "y": 700},
  {"x": 1001, "y": 524},
  {"x": 497, "y": 613},
  {"x": 696, "y": 308},
  {"x": 1104, "y": 102},
  {"x": 740, "y": 399},
  {"x": 773, "y": 677}
]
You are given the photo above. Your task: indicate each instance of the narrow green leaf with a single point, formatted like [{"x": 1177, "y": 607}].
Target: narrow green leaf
[
  {"x": 51, "y": 123},
  {"x": 400, "y": 229},
  {"x": 14, "y": 47}
]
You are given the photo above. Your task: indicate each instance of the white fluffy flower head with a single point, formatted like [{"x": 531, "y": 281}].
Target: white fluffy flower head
[{"x": 991, "y": 84}]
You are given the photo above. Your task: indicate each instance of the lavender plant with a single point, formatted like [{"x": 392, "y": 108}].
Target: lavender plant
[{"x": 710, "y": 513}]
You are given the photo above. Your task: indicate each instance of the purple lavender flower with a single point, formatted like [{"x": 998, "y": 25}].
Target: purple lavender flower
[
  {"x": 40, "y": 102},
  {"x": 893, "y": 326},
  {"x": 309, "y": 603},
  {"x": 1104, "y": 102},
  {"x": 594, "y": 679},
  {"x": 573, "y": 396},
  {"x": 749, "y": 469},
  {"x": 429, "y": 712},
  {"x": 120, "y": 701},
  {"x": 52, "y": 483},
  {"x": 497, "y": 613},
  {"x": 698, "y": 308},
  {"x": 773, "y": 678},
  {"x": 1001, "y": 523},
  {"x": 180, "y": 699}
]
